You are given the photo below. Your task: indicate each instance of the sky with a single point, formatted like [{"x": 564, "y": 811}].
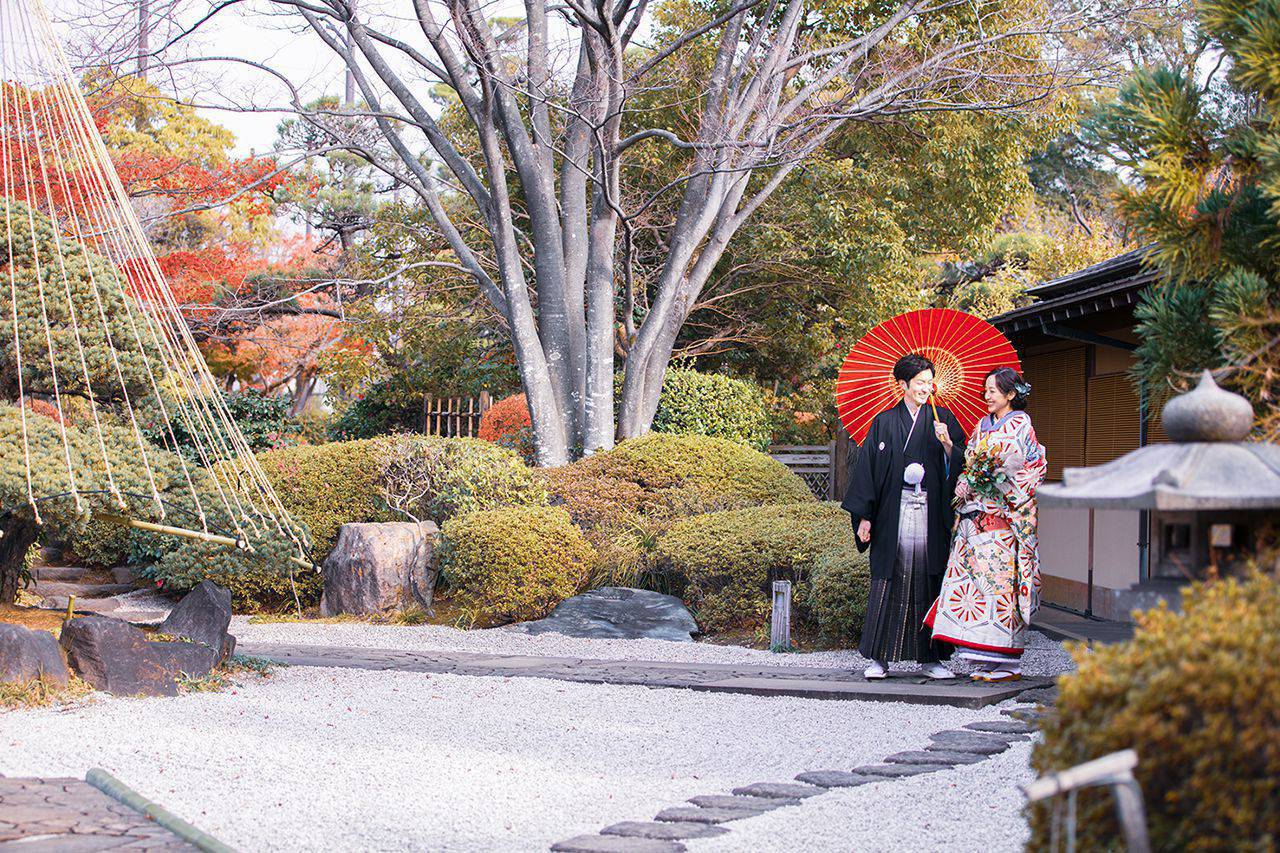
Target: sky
[{"x": 254, "y": 30}]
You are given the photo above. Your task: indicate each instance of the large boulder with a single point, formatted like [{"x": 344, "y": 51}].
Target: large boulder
[
  {"x": 617, "y": 613},
  {"x": 116, "y": 657},
  {"x": 377, "y": 568},
  {"x": 27, "y": 655},
  {"x": 203, "y": 616}
]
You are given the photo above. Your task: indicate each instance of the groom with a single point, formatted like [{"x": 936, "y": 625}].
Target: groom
[{"x": 900, "y": 503}]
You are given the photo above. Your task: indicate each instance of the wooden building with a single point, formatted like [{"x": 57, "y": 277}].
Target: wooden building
[{"x": 1076, "y": 344}]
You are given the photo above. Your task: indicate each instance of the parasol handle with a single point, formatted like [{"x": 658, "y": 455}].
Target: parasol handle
[{"x": 933, "y": 406}]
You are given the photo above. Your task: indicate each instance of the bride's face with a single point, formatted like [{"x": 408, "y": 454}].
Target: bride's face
[{"x": 996, "y": 399}]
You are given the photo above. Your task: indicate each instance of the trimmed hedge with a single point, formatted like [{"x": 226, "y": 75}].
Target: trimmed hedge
[
  {"x": 1197, "y": 695},
  {"x": 711, "y": 404},
  {"x": 726, "y": 560},
  {"x": 514, "y": 564},
  {"x": 100, "y": 544},
  {"x": 324, "y": 486},
  {"x": 658, "y": 478},
  {"x": 258, "y": 582},
  {"x": 837, "y": 595},
  {"x": 456, "y": 476}
]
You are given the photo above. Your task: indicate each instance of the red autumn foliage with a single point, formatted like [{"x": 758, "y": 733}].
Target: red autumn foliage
[{"x": 507, "y": 423}]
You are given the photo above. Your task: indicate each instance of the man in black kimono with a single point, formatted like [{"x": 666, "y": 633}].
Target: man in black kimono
[{"x": 900, "y": 503}]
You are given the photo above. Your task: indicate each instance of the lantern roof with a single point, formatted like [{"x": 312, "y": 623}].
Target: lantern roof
[{"x": 1207, "y": 466}]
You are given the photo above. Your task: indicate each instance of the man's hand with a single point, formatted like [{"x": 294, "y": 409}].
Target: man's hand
[
  {"x": 864, "y": 530},
  {"x": 943, "y": 434}
]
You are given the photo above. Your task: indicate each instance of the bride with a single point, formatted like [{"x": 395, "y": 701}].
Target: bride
[{"x": 992, "y": 583}]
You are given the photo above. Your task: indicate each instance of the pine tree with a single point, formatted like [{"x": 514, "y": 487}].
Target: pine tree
[{"x": 1206, "y": 156}]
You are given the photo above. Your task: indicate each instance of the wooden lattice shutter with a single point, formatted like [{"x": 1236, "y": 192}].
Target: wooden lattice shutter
[
  {"x": 1057, "y": 405},
  {"x": 1113, "y": 419}
]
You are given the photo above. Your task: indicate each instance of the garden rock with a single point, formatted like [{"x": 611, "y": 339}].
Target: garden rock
[
  {"x": 203, "y": 616},
  {"x": 678, "y": 831},
  {"x": 27, "y": 655},
  {"x": 378, "y": 568},
  {"x": 617, "y": 613},
  {"x": 116, "y": 657}
]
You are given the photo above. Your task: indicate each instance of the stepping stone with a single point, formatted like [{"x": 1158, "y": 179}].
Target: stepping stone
[
  {"x": 1039, "y": 695},
  {"x": 57, "y": 573},
  {"x": 693, "y": 814},
  {"x": 83, "y": 590},
  {"x": 674, "y": 831},
  {"x": 921, "y": 756},
  {"x": 751, "y": 804},
  {"x": 1004, "y": 727},
  {"x": 616, "y": 844},
  {"x": 837, "y": 778},
  {"x": 1027, "y": 715},
  {"x": 898, "y": 771},
  {"x": 783, "y": 790},
  {"x": 83, "y": 605},
  {"x": 955, "y": 741}
]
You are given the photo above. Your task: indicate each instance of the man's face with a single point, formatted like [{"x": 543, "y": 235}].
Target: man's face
[{"x": 919, "y": 388}]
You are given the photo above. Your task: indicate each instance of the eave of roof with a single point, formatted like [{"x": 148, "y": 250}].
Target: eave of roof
[{"x": 1114, "y": 283}]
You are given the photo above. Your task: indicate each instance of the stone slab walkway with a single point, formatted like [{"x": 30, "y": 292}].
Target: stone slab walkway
[
  {"x": 1063, "y": 625},
  {"x": 805, "y": 682},
  {"x": 71, "y": 816}
]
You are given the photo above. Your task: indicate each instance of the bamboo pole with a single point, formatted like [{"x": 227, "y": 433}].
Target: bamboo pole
[{"x": 182, "y": 532}]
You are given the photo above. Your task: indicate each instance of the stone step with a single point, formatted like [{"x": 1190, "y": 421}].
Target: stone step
[
  {"x": 58, "y": 573},
  {"x": 81, "y": 590},
  {"x": 82, "y": 606}
]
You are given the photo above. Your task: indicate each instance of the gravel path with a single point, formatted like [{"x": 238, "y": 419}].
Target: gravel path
[
  {"x": 974, "y": 808},
  {"x": 1044, "y": 657},
  {"x": 316, "y": 758}
]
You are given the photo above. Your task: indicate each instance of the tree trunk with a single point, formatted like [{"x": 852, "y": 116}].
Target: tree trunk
[{"x": 17, "y": 535}]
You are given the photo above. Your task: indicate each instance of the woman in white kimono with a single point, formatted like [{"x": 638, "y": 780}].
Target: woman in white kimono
[{"x": 992, "y": 583}]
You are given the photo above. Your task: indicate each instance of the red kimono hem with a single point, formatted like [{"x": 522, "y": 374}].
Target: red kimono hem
[{"x": 967, "y": 644}]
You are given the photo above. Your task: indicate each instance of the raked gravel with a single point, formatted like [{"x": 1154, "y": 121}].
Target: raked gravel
[
  {"x": 971, "y": 809},
  {"x": 320, "y": 758},
  {"x": 1044, "y": 657}
]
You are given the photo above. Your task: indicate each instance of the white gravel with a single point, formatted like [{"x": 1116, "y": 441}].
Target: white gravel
[
  {"x": 315, "y": 758},
  {"x": 1043, "y": 656},
  {"x": 974, "y": 808}
]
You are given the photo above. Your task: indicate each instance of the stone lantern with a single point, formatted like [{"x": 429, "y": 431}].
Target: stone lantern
[{"x": 1208, "y": 490}]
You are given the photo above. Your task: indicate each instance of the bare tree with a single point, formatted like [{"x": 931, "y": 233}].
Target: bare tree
[{"x": 548, "y": 110}]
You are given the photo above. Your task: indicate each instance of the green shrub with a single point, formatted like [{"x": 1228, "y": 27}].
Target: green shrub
[
  {"x": 727, "y": 560},
  {"x": 693, "y": 403},
  {"x": 262, "y": 581},
  {"x": 263, "y": 420},
  {"x": 100, "y": 544},
  {"x": 513, "y": 564},
  {"x": 438, "y": 478},
  {"x": 649, "y": 481},
  {"x": 1197, "y": 696},
  {"x": 837, "y": 596},
  {"x": 324, "y": 486}
]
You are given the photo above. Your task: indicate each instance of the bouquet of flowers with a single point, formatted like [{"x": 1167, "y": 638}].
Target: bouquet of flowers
[{"x": 985, "y": 473}]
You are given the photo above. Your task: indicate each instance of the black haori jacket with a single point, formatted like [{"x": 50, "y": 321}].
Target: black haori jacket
[{"x": 875, "y": 489}]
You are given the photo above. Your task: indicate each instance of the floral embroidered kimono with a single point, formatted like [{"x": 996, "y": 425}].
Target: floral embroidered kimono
[{"x": 992, "y": 584}]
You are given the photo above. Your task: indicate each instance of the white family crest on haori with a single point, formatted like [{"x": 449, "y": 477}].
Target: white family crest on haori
[{"x": 107, "y": 408}]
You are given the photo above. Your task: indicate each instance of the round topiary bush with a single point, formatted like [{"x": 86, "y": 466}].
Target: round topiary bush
[
  {"x": 836, "y": 600},
  {"x": 324, "y": 486},
  {"x": 513, "y": 564},
  {"x": 693, "y": 403},
  {"x": 727, "y": 560},
  {"x": 507, "y": 423},
  {"x": 1197, "y": 695},
  {"x": 428, "y": 477},
  {"x": 658, "y": 478}
]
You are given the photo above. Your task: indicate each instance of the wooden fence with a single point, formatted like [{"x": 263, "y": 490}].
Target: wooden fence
[
  {"x": 454, "y": 416},
  {"x": 823, "y": 467}
]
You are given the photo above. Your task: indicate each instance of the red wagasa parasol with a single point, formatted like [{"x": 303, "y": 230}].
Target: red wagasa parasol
[{"x": 961, "y": 346}]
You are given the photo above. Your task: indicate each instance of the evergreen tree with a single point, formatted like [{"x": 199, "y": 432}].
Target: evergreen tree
[{"x": 1206, "y": 158}]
